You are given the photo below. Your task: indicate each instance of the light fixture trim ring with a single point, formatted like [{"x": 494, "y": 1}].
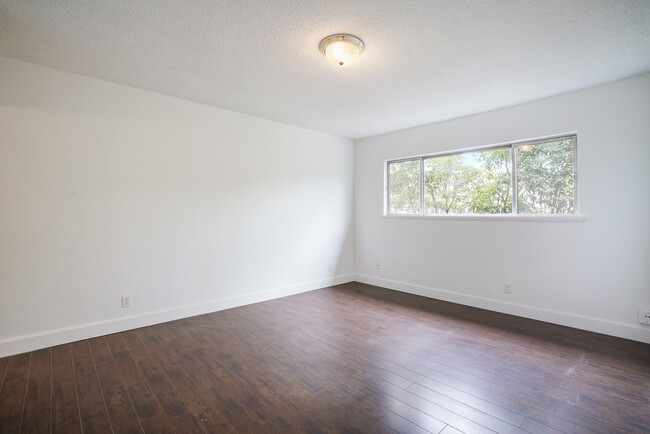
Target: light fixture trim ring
[{"x": 341, "y": 37}]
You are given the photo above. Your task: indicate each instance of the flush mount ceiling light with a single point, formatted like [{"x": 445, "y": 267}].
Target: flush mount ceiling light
[{"x": 341, "y": 49}]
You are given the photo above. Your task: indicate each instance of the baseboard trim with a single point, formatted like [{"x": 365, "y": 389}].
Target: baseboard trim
[
  {"x": 612, "y": 328},
  {"x": 48, "y": 338}
]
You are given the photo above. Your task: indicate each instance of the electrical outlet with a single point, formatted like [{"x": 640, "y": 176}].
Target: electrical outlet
[
  {"x": 378, "y": 265},
  {"x": 331, "y": 268},
  {"x": 126, "y": 301},
  {"x": 507, "y": 288},
  {"x": 644, "y": 316}
]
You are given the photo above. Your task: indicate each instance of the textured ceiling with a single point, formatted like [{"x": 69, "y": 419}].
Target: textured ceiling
[{"x": 424, "y": 61}]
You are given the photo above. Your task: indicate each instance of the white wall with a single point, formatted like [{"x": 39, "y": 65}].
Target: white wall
[
  {"x": 107, "y": 190},
  {"x": 590, "y": 274}
]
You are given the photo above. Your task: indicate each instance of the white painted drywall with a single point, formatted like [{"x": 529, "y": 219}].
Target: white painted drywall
[
  {"x": 590, "y": 274},
  {"x": 108, "y": 190}
]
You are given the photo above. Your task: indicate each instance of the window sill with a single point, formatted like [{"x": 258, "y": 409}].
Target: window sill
[{"x": 523, "y": 218}]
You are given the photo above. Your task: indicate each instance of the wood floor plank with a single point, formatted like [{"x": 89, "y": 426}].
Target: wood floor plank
[
  {"x": 279, "y": 426},
  {"x": 436, "y": 411},
  {"x": 345, "y": 418},
  {"x": 485, "y": 419},
  {"x": 170, "y": 401},
  {"x": 399, "y": 423},
  {"x": 3, "y": 369},
  {"x": 216, "y": 396},
  {"x": 150, "y": 414},
  {"x": 450, "y": 430},
  {"x": 239, "y": 368},
  {"x": 118, "y": 405},
  {"x": 239, "y": 388},
  {"x": 353, "y": 391},
  {"x": 510, "y": 417},
  {"x": 556, "y": 403},
  {"x": 235, "y": 412},
  {"x": 12, "y": 395},
  {"x": 221, "y": 361},
  {"x": 298, "y": 407},
  {"x": 413, "y": 415},
  {"x": 520, "y": 419},
  {"x": 319, "y": 365},
  {"x": 203, "y": 410},
  {"x": 484, "y": 386},
  {"x": 537, "y": 428},
  {"x": 312, "y": 407},
  {"x": 483, "y": 406},
  {"x": 94, "y": 416},
  {"x": 186, "y": 354},
  {"x": 37, "y": 414},
  {"x": 65, "y": 407},
  {"x": 396, "y": 343},
  {"x": 350, "y": 358},
  {"x": 226, "y": 378}
]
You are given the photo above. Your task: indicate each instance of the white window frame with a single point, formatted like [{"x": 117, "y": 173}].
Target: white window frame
[{"x": 514, "y": 147}]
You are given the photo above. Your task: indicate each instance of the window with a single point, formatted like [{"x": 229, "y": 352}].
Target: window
[
  {"x": 546, "y": 178},
  {"x": 405, "y": 187},
  {"x": 536, "y": 177}
]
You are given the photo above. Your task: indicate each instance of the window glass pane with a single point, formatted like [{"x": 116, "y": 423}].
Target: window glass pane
[
  {"x": 546, "y": 181},
  {"x": 470, "y": 183},
  {"x": 404, "y": 184}
]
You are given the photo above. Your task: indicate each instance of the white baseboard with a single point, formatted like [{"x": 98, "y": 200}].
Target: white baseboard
[
  {"x": 636, "y": 332},
  {"x": 35, "y": 341}
]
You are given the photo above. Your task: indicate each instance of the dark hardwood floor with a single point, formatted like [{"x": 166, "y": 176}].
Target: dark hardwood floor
[{"x": 351, "y": 358}]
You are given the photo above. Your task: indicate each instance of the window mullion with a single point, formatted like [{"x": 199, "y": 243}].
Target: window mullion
[
  {"x": 387, "y": 187},
  {"x": 576, "y": 199},
  {"x": 421, "y": 186},
  {"x": 515, "y": 187}
]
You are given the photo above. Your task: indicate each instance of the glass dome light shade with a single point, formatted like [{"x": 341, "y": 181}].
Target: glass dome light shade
[
  {"x": 341, "y": 53},
  {"x": 341, "y": 49}
]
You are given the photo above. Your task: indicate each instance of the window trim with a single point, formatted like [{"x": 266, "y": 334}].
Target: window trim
[
  {"x": 514, "y": 214},
  {"x": 387, "y": 164}
]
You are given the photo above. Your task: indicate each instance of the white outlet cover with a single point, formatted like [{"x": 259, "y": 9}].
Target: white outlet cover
[{"x": 644, "y": 316}]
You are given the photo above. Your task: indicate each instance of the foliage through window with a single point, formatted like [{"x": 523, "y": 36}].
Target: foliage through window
[
  {"x": 405, "y": 182},
  {"x": 546, "y": 181},
  {"x": 483, "y": 181}
]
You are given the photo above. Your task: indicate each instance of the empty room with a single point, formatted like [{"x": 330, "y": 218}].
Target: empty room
[{"x": 362, "y": 216}]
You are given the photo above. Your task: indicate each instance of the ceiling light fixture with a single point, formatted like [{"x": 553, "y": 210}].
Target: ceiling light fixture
[{"x": 341, "y": 49}]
